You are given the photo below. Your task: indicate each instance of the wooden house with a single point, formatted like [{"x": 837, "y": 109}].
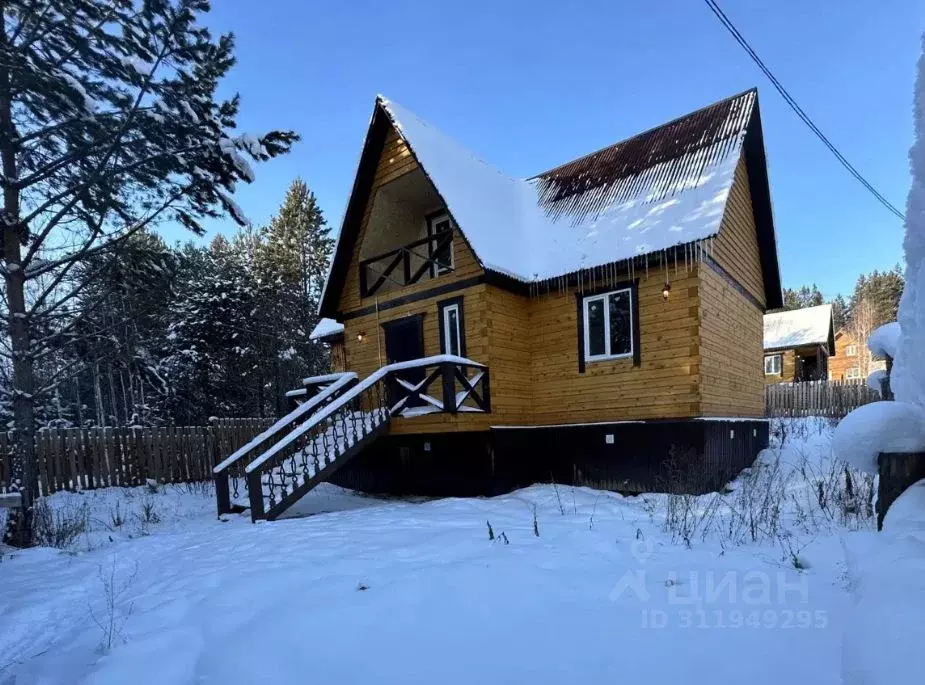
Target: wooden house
[
  {"x": 852, "y": 360},
  {"x": 798, "y": 344},
  {"x": 609, "y": 310}
]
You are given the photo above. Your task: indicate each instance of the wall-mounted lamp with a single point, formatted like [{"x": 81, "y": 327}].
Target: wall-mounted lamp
[
  {"x": 666, "y": 291},
  {"x": 360, "y": 336}
]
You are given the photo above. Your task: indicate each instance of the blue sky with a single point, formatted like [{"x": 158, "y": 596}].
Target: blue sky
[{"x": 529, "y": 85}]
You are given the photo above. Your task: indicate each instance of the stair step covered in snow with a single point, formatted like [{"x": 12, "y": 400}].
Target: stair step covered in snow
[{"x": 325, "y": 432}]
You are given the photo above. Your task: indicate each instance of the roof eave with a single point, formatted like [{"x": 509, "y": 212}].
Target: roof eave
[
  {"x": 353, "y": 214},
  {"x": 757, "y": 166}
]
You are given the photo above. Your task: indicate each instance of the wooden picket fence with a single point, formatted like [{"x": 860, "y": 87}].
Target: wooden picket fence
[
  {"x": 79, "y": 459},
  {"x": 832, "y": 399}
]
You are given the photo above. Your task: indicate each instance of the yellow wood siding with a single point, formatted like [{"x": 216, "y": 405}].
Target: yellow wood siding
[
  {"x": 731, "y": 350},
  {"x": 788, "y": 367},
  {"x": 365, "y": 356},
  {"x": 665, "y": 385},
  {"x": 396, "y": 161},
  {"x": 510, "y": 349},
  {"x": 736, "y": 246},
  {"x": 701, "y": 349},
  {"x": 338, "y": 361}
]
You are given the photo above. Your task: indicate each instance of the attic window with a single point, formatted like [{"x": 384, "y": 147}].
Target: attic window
[
  {"x": 851, "y": 350},
  {"x": 439, "y": 248},
  {"x": 608, "y": 325}
]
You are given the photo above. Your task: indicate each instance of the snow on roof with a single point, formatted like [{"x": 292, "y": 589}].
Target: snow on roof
[
  {"x": 664, "y": 188},
  {"x": 325, "y": 329},
  {"x": 808, "y": 326}
]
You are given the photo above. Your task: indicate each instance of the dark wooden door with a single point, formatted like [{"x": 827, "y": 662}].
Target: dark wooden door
[{"x": 404, "y": 341}]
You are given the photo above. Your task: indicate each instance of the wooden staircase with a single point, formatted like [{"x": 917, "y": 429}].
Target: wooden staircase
[{"x": 339, "y": 421}]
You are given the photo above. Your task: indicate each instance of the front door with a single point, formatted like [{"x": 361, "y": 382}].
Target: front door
[{"x": 404, "y": 341}]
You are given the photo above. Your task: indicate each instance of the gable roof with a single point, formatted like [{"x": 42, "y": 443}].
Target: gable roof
[
  {"x": 797, "y": 327},
  {"x": 656, "y": 191}
]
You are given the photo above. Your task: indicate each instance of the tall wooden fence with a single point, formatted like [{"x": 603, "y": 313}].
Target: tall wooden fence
[
  {"x": 818, "y": 398},
  {"x": 72, "y": 459}
]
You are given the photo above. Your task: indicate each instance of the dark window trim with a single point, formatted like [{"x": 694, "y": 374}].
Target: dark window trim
[
  {"x": 633, "y": 287},
  {"x": 443, "y": 304},
  {"x": 402, "y": 319},
  {"x": 429, "y": 223}
]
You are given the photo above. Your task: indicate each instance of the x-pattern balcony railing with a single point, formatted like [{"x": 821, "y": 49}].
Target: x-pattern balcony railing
[{"x": 383, "y": 268}]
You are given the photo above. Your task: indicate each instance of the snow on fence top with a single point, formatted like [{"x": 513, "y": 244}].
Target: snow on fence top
[
  {"x": 884, "y": 341},
  {"x": 326, "y": 328},
  {"x": 660, "y": 189},
  {"x": 809, "y": 326}
]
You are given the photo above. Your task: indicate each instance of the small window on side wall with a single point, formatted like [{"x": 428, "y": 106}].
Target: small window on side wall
[
  {"x": 452, "y": 327},
  {"x": 773, "y": 364},
  {"x": 608, "y": 325},
  {"x": 851, "y": 351},
  {"x": 853, "y": 373}
]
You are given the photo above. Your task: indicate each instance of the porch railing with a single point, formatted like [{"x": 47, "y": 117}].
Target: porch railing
[
  {"x": 230, "y": 482},
  {"x": 318, "y": 446},
  {"x": 396, "y": 266}
]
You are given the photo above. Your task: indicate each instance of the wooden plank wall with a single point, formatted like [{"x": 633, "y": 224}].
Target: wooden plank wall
[
  {"x": 75, "y": 459},
  {"x": 395, "y": 162},
  {"x": 788, "y": 367},
  {"x": 736, "y": 246},
  {"x": 731, "y": 324},
  {"x": 511, "y": 347},
  {"x": 731, "y": 350},
  {"x": 666, "y": 385},
  {"x": 367, "y": 355}
]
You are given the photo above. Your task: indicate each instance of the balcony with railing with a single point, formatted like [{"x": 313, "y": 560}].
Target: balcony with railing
[
  {"x": 407, "y": 264},
  {"x": 408, "y": 237}
]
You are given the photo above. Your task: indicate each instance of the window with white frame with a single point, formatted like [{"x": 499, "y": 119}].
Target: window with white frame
[
  {"x": 851, "y": 350},
  {"x": 452, "y": 335},
  {"x": 773, "y": 364},
  {"x": 608, "y": 325},
  {"x": 853, "y": 373}
]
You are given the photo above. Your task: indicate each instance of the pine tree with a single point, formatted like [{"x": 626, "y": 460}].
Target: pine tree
[
  {"x": 291, "y": 264},
  {"x": 881, "y": 290},
  {"x": 839, "y": 312},
  {"x": 211, "y": 354},
  {"x": 805, "y": 296},
  {"x": 108, "y": 122}
]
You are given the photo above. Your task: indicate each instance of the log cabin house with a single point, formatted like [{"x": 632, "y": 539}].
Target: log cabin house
[
  {"x": 798, "y": 344},
  {"x": 852, "y": 360},
  {"x": 599, "y": 323}
]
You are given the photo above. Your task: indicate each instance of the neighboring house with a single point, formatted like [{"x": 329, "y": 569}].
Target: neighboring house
[
  {"x": 852, "y": 360},
  {"x": 798, "y": 344},
  {"x": 615, "y": 303}
]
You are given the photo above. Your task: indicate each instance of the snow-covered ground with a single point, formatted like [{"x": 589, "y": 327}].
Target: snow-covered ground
[{"x": 749, "y": 586}]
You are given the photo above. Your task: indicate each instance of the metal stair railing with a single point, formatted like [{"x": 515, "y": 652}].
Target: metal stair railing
[{"x": 229, "y": 474}]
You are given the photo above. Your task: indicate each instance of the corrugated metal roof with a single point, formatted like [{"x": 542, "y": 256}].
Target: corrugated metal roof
[{"x": 656, "y": 164}]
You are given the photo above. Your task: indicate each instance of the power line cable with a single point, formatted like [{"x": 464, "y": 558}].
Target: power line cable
[{"x": 740, "y": 39}]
